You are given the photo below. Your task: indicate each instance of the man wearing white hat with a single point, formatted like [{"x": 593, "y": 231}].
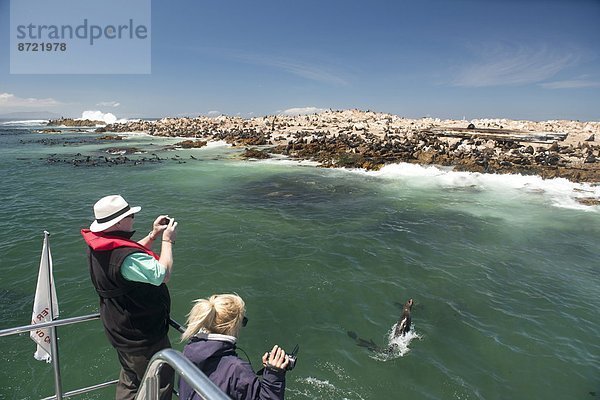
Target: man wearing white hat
[{"x": 131, "y": 280}]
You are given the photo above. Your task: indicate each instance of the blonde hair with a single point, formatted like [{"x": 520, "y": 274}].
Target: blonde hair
[{"x": 220, "y": 313}]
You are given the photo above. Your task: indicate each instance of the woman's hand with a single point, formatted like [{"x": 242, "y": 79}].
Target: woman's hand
[{"x": 276, "y": 359}]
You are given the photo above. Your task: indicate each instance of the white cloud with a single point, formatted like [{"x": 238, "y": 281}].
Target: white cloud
[
  {"x": 109, "y": 104},
  {"x": 571, "y": 84},
  {"x": 521, "y": 65},
  {"x": 311, "y": 70},
  {"x": 10, "y": 100},
  {"x": 213, "y": 113},
  {"x": 305, "y": 70},
  {"x": 302, "y": 111}
]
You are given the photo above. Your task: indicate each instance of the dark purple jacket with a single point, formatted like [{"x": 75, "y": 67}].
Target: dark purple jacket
[{"x": 219, "y": 361}]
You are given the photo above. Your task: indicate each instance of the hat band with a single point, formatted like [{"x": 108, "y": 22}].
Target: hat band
[{"x": 113, "y": 216}]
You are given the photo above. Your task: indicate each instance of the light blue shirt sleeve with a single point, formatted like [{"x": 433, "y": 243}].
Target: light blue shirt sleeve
[{"x": 142, "y": 267}]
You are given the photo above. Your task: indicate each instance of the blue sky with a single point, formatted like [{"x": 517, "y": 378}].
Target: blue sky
[{"x": 518, "y": 59}]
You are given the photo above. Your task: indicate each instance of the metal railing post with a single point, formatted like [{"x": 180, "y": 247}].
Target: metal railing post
[
  {"x": 53, "y": 331},
  {"x": 205, "y": 388},
  {"x": 55, "y": 363}
]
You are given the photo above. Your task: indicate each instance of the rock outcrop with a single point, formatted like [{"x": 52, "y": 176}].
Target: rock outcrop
[
  {"x": 191, "y": 144},
  {"x": 74, "y": 122}
]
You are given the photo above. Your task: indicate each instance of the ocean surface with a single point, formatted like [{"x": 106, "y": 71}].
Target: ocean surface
[{"x": 503, "y": 270}]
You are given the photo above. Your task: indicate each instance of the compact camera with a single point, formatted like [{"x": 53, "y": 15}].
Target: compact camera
[
  {"x": 292, "y": 357},
  {"x": 165, "y": 221}
]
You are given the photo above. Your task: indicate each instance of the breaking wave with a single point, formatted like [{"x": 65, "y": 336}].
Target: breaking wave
[
  {"x": 561, "y": 192},
  {"x": 29, "y": 122}
]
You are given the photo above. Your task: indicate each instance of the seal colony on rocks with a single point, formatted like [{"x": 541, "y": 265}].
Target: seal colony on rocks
[
  {"x": 370, "y": 140},
  {"x": 73, "y": 122}
]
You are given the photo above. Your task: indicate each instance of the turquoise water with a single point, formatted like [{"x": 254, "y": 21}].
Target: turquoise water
[{"x": 503, "y": 270}]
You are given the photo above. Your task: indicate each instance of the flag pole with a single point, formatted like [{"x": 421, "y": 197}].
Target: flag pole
[{"x": 53, "y": 332}]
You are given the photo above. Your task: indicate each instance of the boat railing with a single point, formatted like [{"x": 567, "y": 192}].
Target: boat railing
[{"x": 205, "y": 388}]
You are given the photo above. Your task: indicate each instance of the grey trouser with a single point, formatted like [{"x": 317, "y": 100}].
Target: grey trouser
[{"x": 133, "y": 367}]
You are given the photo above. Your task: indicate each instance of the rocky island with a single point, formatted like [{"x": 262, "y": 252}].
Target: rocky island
[
  {"x": 370, "y": 140},
  {"x": 74, "y": 122}
]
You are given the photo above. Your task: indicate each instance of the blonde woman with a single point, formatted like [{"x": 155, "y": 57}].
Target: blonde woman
[{"x": 213, "y": 326}]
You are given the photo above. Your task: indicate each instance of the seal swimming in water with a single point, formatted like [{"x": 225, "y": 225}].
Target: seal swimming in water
[
  {"x": 402, "y": 328},
  {"x": 403, "y": 325},
  {"x": 369, "y": 344}
]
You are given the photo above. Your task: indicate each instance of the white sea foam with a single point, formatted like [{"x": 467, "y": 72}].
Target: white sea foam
[
  {"x": 136, "y": 134},
  {"x": 96, "y": 115},
  {"x": 314, "y": 388},
  {"x": 397, "y": 346},
  {"x": 283, "y": 160},
  {"x": 217, "y": 143},
  {"x": 561, "y": 192},
  {"x": 319, "y": 383},
  {"x": 29, "y": 122}
]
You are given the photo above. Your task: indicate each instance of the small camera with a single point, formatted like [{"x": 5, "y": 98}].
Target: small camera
[
  {"x": 292, "y": 357},
  {"x": 165, "y": 221}
]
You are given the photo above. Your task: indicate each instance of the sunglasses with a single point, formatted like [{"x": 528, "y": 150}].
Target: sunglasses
[{"x": 244, "y": 321}]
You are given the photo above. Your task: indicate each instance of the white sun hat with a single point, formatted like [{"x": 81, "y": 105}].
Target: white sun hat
[{"x": 109, "y": 210}]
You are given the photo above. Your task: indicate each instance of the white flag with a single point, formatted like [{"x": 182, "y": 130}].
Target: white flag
[{"x": 41, "y": 305}]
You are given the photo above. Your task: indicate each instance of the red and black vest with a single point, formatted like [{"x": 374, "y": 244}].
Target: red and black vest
[{"x": 135, "y": 315}]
